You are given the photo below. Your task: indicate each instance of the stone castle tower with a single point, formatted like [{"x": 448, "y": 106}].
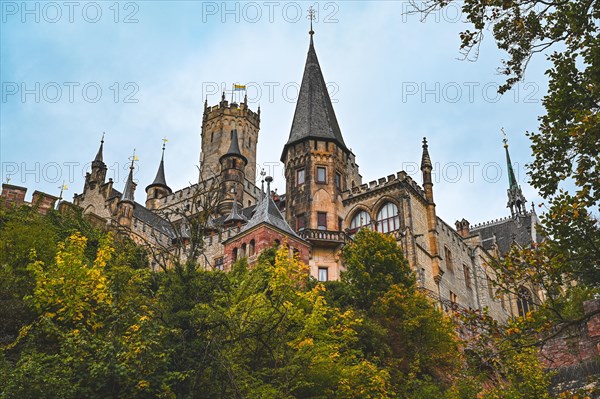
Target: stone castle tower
[
  {"x": 218, "y": 124},
  {"x": 318, "y": 167}
]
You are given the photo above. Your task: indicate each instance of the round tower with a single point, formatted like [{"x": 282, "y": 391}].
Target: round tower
[
  {"x": 233, "y": 175},
  {"x": 159, "y": 188}
]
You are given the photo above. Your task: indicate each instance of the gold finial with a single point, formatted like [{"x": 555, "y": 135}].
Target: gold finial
[
  {"x": 311, "y": 15},
  {"x": 133, "y": 158},
  {"x": 504, "y": 140},
  {"x": 164, "y": 140}
]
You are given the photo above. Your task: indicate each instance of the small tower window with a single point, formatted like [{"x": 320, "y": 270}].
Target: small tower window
[
  {"x": 338, "y": 180},
  {"x": 300, "y": 177},
  {"x": 322, "y": 220},
  {"x": 321, "y": 174}
]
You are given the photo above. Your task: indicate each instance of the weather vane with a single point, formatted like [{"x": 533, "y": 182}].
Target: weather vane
[
  {"x": 164, "y": 140},
  {"x": 312, "y": 15},
  {"x": 133, "y": 157},
  {"x": 62, "y": 187}
]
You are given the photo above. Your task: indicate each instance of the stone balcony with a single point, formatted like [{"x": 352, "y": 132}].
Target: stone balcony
[{"x": 324, "y": 236}]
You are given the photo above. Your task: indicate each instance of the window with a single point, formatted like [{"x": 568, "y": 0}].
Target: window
[
  {"x": 467, "y": 272},
  {"x": 300, "y": 222},
  {"x": 490, "y": 287},
  {"x": 449, "y": 261},
  {"x": 340, "y": 224},
  {"x": 361, "y": 219},
  {"x": 387, "y": 218},
  {"x": 323, "y": 274},
  {"x": 234, "y": 254},
  {"x": 453, "y": 299},
  {"x": 524, "y": 301},
  {"x": 321, "y": 174},
  {"x": 338, "y": 181},
  {"x": 300, "y": 177},
  {"x": 321, "y": 220},
  {"x": 251, "y": 247},
  {"x": 243, "y": 251},
  {"x": 219, "y": 263}
]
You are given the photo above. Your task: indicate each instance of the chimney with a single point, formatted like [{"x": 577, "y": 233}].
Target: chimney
[
  {"x": 43, "y": 202},
  {"x": 463, "y": 228},
  {"x": 13, "y": 195}
]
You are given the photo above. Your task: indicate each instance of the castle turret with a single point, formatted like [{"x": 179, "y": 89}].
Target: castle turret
[
  {"x": 516, "y": 199},
  {"x": 159, "y": 188},
  {"x": 233, "y": 174},
  {"x": 126, "y": 204},
  {"x": 98, "y": 173},
  {"x": 218, "y": 123},
  {"x": 432, "y": 232}
]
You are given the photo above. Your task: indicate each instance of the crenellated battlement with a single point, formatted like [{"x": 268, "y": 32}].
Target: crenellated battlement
[
  {"x": 225, "y": 108},
  {"x": 382, "y": 182}
]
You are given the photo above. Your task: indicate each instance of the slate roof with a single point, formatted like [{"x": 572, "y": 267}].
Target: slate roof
[
  {"x": 160, "y": 180},
  {"x": 314, "y": 116},
  {"x": 147, "y": 216},
  {"x": 129, "y": 187},
  {"x": 508, "y": 231},
  {"x": 234, "y": 147},
  {"x": 267, "y": 212}
]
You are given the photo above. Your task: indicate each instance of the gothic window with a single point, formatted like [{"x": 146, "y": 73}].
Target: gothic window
[
  {"x": 243, "y": 251},
  {"x": 524, "y": 301},
  {"x": 300, "y": 177},
  {"x": 361, "y": 219},
  {"x": 234, "y": 254},
  {"x": 449, "y": 260},
  {"x": 321, "y": 174},
  {"x": 321, "y": 220},
  {"x": 300, "y": 222},
  {"x": 323, "y": 274},
  {"x": 387, "y": 218},
  {"x": 467, "y": 272},
  {"x": 251, "y": 247}
]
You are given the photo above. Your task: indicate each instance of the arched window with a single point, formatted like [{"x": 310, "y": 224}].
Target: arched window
[
  {"x": 243, "y": 251},
  {"x": 361, "y": 219},
  {"x": 251, "y": 247},
  {"x": 387, "y": 218},
  {"x": 234, "y": 254},
  {"x": 524, "y": 301}
]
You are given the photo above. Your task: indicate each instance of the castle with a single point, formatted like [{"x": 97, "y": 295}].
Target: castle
[{"x": 325, "y": 204}]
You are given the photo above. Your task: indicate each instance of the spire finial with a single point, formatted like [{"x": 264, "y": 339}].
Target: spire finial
[
  {"x": 102, "y": 140},
  {"x": 425, "y": 142},
  {"x": 164, "y": 140},
  {"x": 132, "y": 159},
  {"x": 504, "y": 139},
  {"x": 311, "y": 15}
]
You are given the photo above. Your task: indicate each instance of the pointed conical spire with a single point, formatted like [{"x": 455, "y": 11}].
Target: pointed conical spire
[
  {"x": 160, "y": 180},
  {"x": 512, "y": 181},
  {"x": 425, "y": 159},
  {"x": 314, "y": 116},
  {"x": 516, "y": 199},
  {"x": 129, "y": 184},
  {"x": 99, "y": 160},
  {"x": 235, "y": 215},
  {"x": 234, "y": 147}
]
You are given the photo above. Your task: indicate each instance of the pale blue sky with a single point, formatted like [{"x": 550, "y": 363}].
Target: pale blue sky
[{"x": 394, "y": 79}]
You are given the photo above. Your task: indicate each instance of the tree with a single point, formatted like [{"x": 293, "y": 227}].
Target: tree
[{"x": 374, "y": 263}]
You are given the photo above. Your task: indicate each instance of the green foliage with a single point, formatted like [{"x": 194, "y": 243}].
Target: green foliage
[
  {"x": 101, "y": 324},
  {"x": 374, "y": 263}
]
